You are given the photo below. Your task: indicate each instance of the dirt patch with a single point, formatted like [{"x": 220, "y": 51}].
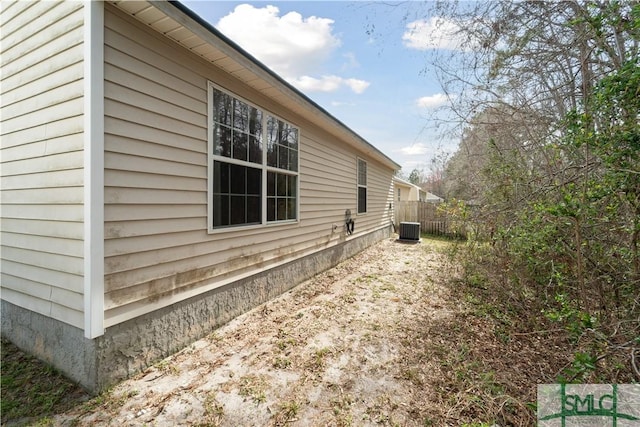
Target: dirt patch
[{"x": 381, "y": 339}]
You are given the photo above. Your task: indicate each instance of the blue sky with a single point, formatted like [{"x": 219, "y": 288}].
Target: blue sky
[{"x": 364, "y": 62}]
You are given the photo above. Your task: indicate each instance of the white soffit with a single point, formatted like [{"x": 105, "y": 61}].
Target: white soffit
[{"x": 154, "y": 15}]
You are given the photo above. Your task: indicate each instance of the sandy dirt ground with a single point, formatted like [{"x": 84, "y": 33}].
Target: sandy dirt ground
[{"x": 337, "y": 350}]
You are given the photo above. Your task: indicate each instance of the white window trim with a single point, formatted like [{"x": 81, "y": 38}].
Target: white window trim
[{"x": 264, "y": 168}]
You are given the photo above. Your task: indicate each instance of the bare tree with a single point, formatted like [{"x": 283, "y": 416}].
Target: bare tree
[{"x": 547, "y": 94}]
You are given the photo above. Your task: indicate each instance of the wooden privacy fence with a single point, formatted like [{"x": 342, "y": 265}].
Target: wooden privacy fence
[{"x": 432, "y": 220}]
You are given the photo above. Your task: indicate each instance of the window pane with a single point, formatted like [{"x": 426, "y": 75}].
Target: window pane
[
  {"x": 282, "y": 144},
  {"x": 238, "y": 179},
  {"x": 254, "y": 181},
  {"x": 255, "y": 149},
  {"x": 237, "y": 195},
  {"x": 362, "y": 200},
  {"x": 293, "y": 160},
  {"x": 239, "y": 145},
  {"x": 362, "y": 172},
  {"x": 222, "y": 141},
  {"x": 254, "y": 209},
  {"x": 271, "y": 184},
  {"x": 240, "y": 115},
  {"x": 220, "y": 210},
  {"x": 222, "y": 107},
  {"x": 272, "y": 146},
  {"x": 281, "y": 213},
  {"x": 271, "y": 209},
  {"x": 238, "y": 210},
  {"x": 272, "y": 156},
  {"x": 293, "y": 138},
  {"x": 291, "y": 186},
  {"x": 220, "y": 177},
  {"x": 284, "y": 133},
  {"x": 283, "y": 157},
  {"x": 272, "y": 130},
  {"x": 291, "y": 209},
  {"x": 282, "y": 205},
  {"x": 281, "y": 185},
  {"x": 255, "y": 121}
]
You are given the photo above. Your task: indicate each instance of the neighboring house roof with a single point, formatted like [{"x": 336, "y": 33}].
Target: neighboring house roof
[
  {"x": 433, "y": 198},
  {"x": 404, "y": 183},
  {"x": 182, "y": 25},
  {"x": 424, "y": 195}
]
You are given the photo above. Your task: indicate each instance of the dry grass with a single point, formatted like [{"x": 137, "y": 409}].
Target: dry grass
[{"x": 392, "y": 336}]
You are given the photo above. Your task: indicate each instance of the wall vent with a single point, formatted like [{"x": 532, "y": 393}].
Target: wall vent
[{"x": 410, "y": 231}]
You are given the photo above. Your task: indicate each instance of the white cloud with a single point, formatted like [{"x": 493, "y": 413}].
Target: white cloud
[
  {"x": 328, "y": 84},
  {"x": 290, "y": 44},
  {"x": 432, "y": 101},
  {"x": 417, "y": 149},
  {"x": 433, "y": 33},
  {"x": 293, "y": 46},
  {"x": 312, "y": 84},
  {"x": 356, "y": 85}
]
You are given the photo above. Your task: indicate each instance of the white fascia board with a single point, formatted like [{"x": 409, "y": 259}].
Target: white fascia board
[{"x": 93, "y": 169}]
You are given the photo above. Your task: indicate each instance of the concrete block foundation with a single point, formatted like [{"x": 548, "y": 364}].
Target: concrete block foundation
[{"x": 132, "y": 346}]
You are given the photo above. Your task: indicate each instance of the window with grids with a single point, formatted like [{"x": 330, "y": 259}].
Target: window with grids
[
  {"x": 362, "y": 186},
  {"x": 253, "y": 164}
]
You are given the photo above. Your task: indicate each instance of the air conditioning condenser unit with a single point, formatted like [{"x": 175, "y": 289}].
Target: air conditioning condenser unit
[{"x": 410, "y": 231}]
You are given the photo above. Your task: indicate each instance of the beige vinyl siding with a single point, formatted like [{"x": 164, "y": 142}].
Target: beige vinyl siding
[
  {"x": 157, "y": 248},
  {"x": 42, "y": 158}
]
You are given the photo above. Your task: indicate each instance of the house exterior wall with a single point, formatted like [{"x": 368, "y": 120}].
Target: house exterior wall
[
  {"x": 406, "y": 193},
  {"x": 157, "y": 248},
  {"x": 41, "y": 155}
]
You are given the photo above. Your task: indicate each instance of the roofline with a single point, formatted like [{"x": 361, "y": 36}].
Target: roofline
[
  {"x": 200, "y": 21},
  {"x": 406, "y": 183}
]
